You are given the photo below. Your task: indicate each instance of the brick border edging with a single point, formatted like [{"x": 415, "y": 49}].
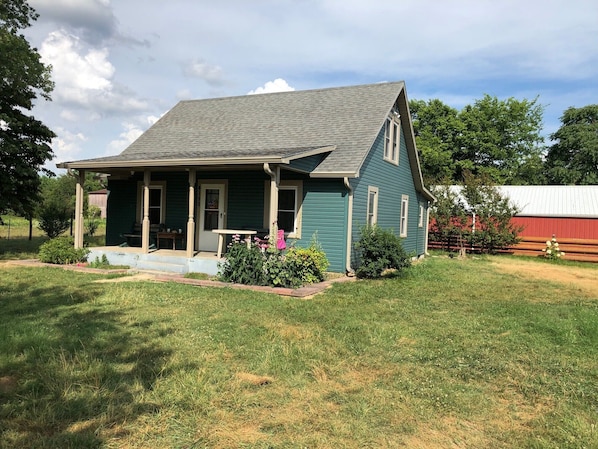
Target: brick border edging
[{"x": 301, "y": 292}]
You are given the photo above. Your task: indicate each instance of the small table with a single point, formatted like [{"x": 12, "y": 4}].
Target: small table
[
  {"x": 174, "y": 236},
  {"x": 222, "y": 232}
]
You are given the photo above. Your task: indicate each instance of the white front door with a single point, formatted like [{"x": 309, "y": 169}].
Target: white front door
[{"x": 211, "y": 215}]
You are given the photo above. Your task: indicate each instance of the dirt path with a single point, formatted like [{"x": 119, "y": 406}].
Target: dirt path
[{"x": 585, "y": 279}]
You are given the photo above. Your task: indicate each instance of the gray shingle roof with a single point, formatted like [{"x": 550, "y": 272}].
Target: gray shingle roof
[{"x": 267, "y": 125}]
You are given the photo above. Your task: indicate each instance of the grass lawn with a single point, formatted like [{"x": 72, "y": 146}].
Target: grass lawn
[{"x": 453, "y": 354}]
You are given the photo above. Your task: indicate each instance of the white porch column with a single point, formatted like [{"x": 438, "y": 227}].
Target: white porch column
[
  {"x": 191, "y": 222},
  {"x": 273, "y": 210},
  {"x": 145, "y": 226},
  {"x": 79, "y": 196}
]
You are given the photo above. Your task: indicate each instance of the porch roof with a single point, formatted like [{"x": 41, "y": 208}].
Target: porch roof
[{"x": 192, "y": 159}]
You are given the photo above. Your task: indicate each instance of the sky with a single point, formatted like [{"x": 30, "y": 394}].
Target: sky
[{"x": 119, "y": 65}]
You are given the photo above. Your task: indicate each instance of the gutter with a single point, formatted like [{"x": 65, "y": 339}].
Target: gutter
[{"x": 348, "y": 269}]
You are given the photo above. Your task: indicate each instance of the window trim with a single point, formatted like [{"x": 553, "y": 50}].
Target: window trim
[
  {"x": 297, "y": 186},
  {"x": 404, "y": 219},
  {"x": 392, "y": 138},
  {"x": 420, "y": 220},
  {"x": 372, "y": 213}
]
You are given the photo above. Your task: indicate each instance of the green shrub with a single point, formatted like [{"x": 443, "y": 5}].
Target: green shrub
[
  {"x": 54, "y": 219},
  {"x": 263, "y": 265},
  {"x": 309, "y": 265},
  {"x": 243, "y": 265},
  {"x": 61, "y": 250},
  {"x": 379, "y": 250},
  {"x": 100, "y": 263}
]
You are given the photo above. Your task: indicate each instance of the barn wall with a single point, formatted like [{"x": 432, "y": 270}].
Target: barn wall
[{"x": 578, "y": 228}]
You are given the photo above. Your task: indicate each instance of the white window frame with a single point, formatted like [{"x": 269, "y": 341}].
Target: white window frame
[
  {"x": 392, "y": 139},
  {"x": 420, "y": 221},
  {"x": 372, "y": 206},
  {"x": 404, "y": 220},
  {"x": 297, "y": 186},
  {"x": 160, "y": 185}
]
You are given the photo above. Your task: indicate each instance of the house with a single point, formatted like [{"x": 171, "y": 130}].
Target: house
[{"x": 317, "y": 163}]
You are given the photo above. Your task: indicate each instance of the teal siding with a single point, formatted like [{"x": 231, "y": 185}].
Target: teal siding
[
  {"x": 392, "y": 182},
  {"x": 325, "y": 215},
  {"x": 246, "y": 200}
]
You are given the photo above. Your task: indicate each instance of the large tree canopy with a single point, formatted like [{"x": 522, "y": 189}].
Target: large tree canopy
[
  {"x": 573, "y": 159},
  {"x": 24, "y": 141},
  {"x": 498, "y": 139}
]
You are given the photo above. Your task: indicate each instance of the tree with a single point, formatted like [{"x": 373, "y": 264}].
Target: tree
[
  {"x": 501, "y": 139},
  {"x": 498, "y": 139},
  {"x": 573, "y": 159},
  {"x": 24, "y": 140},
  {"x": 492, "y": 228},
  {"x": 57, "y": 206},
  {"x": 436, "y": 128},
  {"x": 474, "y": 215}
]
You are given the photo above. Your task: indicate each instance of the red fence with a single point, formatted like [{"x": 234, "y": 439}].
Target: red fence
[{"x": 585, "y": 250}]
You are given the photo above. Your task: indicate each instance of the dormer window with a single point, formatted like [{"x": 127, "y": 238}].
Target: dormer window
[{"x": 392, "y": 138}]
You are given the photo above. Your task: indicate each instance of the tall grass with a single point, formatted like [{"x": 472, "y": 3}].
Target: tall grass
[{"x": 452, "y": 354}]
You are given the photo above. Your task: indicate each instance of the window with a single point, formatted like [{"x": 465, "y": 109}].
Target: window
[
  {"x": 392, "y": 139},
  {"x": 287, "y": 208},
  {"x": 420, "y": 221},
  {"x": 404, "y": 213},
  {"x": 372, "y": 206},
  {"x": 290, "y": 197},
  {"x": 157, "y": 193}
]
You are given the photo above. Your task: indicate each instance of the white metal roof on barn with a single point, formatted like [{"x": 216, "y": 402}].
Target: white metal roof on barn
[
  {"x": 554, "y": 201},
  {"x": 551, "y": 201}
]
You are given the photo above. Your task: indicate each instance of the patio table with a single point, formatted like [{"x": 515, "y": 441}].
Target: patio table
[{"x": 222, "y": 232}]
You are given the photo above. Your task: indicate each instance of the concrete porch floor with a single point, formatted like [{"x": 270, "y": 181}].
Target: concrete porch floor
[{"x": 174, "y": 261}]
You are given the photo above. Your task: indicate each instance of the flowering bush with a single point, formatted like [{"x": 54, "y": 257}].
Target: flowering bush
[
  {"x": 264, "y": 264},
  {"x": 552, "y": 250}
]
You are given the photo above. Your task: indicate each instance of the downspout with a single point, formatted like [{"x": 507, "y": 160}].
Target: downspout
[
  {"x": 273, "y": 207},
  {"x": 348, "y": 269}
]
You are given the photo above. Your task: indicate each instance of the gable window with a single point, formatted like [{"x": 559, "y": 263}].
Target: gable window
[
  {"x": 392, "y": 139},
  {"x": 404, "y": 213},
  {"x": 372, "y": 206}
]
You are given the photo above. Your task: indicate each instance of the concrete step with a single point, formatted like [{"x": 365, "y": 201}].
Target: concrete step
[{"x": 161, "y": 266}]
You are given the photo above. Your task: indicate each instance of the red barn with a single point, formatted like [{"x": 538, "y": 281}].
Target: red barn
[
  {"x": 569, "y": 213},
  {"x": 564, "y": 211}
]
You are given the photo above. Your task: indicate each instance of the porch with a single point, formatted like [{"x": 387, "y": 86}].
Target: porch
[{"x": 174, "y": 261}]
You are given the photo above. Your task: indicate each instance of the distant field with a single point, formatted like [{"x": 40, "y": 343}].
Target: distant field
[{"x": 15, "y": 243}]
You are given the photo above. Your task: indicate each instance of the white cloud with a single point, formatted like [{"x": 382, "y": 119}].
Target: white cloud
[
  {"x": 278, "y": 85},
  {"x": 84, "y": 76},
  {"x": 130, "y": 134},
  {"x": 211, "y": 74},
  {"x": 67, "y": 145},
  {"x": 75, "y": 74}
]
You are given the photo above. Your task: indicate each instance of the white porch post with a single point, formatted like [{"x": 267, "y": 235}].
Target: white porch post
[
  {"x": 79, "y": 209},
  {"x": 145, "y": 226},
  {"x": 273, "y": 210},
  {"x": 191, "y": 222}
]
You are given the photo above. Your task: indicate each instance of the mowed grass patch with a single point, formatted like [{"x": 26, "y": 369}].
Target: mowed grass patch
[{"x": 454, "y": 353}]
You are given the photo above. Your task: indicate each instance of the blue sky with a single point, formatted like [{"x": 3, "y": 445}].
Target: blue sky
[{"x": 119, "y": 65}]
